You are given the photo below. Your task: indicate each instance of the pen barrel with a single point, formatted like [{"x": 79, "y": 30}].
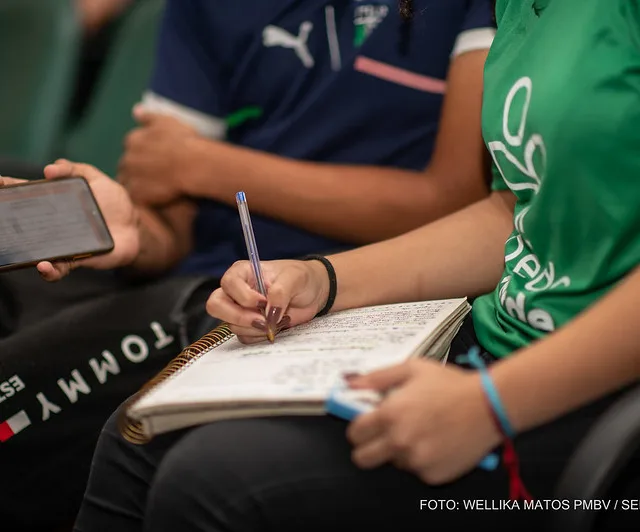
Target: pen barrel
[{"x": 250, "y": 241}]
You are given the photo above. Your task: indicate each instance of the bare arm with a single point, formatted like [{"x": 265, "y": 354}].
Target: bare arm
[
  {"x": 459, "y": 255},
  {"x": 146, "y": 241},
  {"x": 165, "y": 237},
  {"x": 360, "y": 204},
  {"x": 595, "y": 354},
  {"x": 94, "y": 14}
]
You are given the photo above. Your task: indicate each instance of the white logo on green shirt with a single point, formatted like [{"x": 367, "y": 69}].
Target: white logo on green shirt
[{"x": 529, "y": 157}]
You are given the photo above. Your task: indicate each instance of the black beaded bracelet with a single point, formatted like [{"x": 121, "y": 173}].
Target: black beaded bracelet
[{"x": 333, "y": 282}]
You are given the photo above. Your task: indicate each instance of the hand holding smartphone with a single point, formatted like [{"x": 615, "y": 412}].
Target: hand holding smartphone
[{"x": 50, "y": 220}]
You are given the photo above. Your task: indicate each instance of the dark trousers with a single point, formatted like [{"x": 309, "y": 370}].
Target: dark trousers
[
  {"x": 292, "y": 474},
  {"x": 70, "y": 353}
]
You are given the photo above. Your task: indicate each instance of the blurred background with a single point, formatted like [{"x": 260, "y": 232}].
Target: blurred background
[{"x": 72, "y": 71}]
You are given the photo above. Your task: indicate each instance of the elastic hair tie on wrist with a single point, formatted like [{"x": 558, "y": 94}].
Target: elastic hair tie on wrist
[{"x": 333, "y": 282}]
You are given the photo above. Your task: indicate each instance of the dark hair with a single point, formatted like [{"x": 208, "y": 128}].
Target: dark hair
[
  {"x": 406, "y": 9},
  {"x": 406, "y": 12}
]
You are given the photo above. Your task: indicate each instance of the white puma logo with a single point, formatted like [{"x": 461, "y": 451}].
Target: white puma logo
[{"x": 275, "y": 36}]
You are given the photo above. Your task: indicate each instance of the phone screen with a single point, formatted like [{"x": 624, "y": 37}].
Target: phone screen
[{"x": 49, "y": 220}]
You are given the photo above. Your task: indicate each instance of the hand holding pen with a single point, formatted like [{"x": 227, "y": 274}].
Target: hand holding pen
[{"x": 252, "y": 252}]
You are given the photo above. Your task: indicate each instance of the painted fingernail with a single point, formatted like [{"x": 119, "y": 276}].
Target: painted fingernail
[
  {"x": 351, "y": 376},
  {"x": 285, "y": 321},
  {"x": 259, "y": 324},
  {"x": 262, "y": 305},
  {"x": 274, "y": 317}
]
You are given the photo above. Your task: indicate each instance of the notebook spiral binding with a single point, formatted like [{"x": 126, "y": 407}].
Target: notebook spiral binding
[{"x": 130, "y": 429}]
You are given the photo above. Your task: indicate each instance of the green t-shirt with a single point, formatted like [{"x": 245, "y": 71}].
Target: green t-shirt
[{"x": 561, "y": 118}]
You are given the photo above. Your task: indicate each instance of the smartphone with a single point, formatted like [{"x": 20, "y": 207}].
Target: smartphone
[{"x": 49, "y": 220}]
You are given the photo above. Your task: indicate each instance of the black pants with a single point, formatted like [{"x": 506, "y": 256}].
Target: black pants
[
  {"x": 70, "y": 353},
  {"x": 293, "y": 474}
]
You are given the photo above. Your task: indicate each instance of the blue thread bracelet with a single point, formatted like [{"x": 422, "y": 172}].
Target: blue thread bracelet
[
  {"x": 473, "y": 358},
  {"x": 517, "y": 488},
  {"x": 492, "y": 460}
]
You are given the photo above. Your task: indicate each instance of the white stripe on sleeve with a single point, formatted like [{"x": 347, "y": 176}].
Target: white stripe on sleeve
[
  {"x": 477, "y": 39},
  {"x": 208, "y": 126}
]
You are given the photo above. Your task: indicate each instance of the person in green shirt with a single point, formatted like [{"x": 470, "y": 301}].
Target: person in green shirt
[{"x": 551, "y": 258}]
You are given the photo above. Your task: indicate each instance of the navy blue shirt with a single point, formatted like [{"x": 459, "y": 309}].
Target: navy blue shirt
[{"x": 341, "y": 82}]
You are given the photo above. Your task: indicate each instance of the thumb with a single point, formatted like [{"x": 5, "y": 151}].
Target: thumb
[
  {"x": 64, "y": 168},
  {"x": 142, "y": 115},
  {"x": 5, "y": 181},
  {"x": 383, "y": 379},
  {"x": 60, "y": 168}
]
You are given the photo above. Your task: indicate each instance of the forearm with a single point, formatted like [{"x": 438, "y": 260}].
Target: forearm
[
  {"x": 595, "y": 354},
  {"x": 95, "y": 13},
  {"x": 459, "y": 255},
  {"x": 350, "y": 203},
  {"x": 165, "y": 238}
]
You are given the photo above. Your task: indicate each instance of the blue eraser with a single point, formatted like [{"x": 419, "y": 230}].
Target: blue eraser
[
  {"x": 341, "y": 410},
  {"x": 346, "y": 403}
]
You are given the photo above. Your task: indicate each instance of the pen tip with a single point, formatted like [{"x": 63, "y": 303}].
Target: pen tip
[{"x": 270, "y": 335}]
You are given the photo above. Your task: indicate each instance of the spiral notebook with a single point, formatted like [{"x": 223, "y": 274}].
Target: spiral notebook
[{"x": 218, "y": 377}]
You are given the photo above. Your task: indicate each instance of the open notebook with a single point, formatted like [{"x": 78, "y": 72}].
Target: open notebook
[{"x": 220, "y": 378}]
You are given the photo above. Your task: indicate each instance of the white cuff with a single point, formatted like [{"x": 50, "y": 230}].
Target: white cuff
[
  {"x": 207, "y": 125},
  {"x": 478, "y": 39}
]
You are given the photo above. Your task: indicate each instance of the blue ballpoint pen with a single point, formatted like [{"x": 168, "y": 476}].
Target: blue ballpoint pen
[{"x": 252, "y": 250}]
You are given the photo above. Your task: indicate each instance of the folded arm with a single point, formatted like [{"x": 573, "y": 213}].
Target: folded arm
[
  {"x": 165, "y": 237},
  {"x": 360, "y": 204}
]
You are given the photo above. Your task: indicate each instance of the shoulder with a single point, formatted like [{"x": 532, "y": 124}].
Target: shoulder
[
  {"x": 478, "y": 26},
  {"x": 509, "y": 11}
]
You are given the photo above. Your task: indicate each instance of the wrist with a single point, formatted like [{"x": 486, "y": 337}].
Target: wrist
[
  {"x": 494, "y": 426},
  {"x": 321, "y": 281},
  {"x": 138, "y": 230},
  {"x": 482, "y": 413},
  {"x": 328, "y": 290},
  {"x": 199, "y": 172}
]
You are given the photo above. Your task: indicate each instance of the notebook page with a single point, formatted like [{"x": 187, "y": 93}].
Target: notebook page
[{"x": 304, "y": 362}]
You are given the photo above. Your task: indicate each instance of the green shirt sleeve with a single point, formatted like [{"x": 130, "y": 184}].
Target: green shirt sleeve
[{"x": 497, "y": 182}]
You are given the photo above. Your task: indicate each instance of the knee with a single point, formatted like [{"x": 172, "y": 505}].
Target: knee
[
  {"x": 113, "y": 458},
  {"x": 195, "y": 485},
  {"x": 110, "y": 439},
  {"x": 172, "y": 488},
  {"x": 187, "y": 470},
  {"x": 113, "y": 488}
]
